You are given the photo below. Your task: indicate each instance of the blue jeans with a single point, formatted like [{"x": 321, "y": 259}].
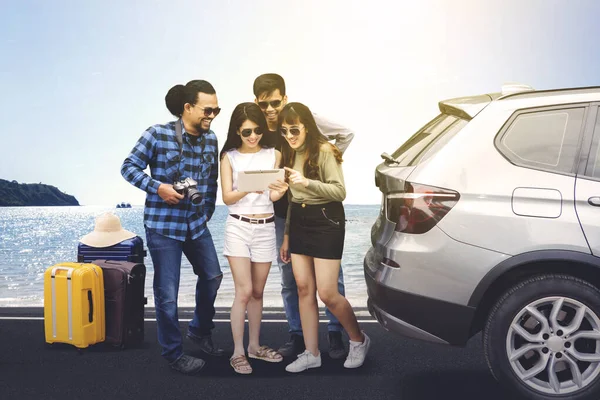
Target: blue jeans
[
  {"x": 166, "y": 256},
  {"x": 289, "y": 289}
]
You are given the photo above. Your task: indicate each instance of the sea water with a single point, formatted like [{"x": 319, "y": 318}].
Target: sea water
[{"x": 35, "y": 238}]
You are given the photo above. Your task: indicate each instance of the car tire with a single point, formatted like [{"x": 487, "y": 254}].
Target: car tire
[{"x": 571, "y": 308}]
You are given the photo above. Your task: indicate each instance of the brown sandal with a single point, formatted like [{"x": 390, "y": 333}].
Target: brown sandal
[
  {"x": 267, "y": 354},
  {"x": 240, "y": 365}
]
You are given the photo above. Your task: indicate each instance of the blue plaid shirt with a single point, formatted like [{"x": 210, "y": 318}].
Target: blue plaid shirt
[{"x": 158, "y": 148}]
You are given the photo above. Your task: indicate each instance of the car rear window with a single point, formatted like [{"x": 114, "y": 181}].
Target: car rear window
[{"x": 428, "y": 140}]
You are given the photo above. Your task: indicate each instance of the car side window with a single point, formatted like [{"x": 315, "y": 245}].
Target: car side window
[
  {"x": 596, "y": 166},
  {"x": 546, "y": 140}
]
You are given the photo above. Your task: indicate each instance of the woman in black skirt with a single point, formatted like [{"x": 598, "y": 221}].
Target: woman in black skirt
[{"x": 315, "y": 228}]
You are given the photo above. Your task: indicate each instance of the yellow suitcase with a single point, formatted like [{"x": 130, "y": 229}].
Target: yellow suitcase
[{"x": 74, "y": 304}]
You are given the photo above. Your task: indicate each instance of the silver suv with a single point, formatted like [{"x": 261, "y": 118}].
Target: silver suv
[{"x": 490, "y": 221}]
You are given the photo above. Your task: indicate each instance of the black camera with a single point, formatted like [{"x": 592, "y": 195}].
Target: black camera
[{"x": 188, "y": 187}]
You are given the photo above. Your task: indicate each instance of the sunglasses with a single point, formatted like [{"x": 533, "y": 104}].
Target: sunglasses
[
  {"x": 248, "y": 132},
  {"x": 293, "y": 131},
  {"x": 209, "y": 110},
  {"x": 265, "y": 104}
]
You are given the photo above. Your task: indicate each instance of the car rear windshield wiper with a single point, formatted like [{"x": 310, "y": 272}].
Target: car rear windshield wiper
[{"x": 388, "y": 159}]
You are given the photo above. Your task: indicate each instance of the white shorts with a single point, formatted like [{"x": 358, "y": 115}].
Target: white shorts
[{"x": 254, "y": 241}]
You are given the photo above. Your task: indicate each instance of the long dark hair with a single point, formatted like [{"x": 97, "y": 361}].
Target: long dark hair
[
  {"x": 294, "y": 113},
  {"x": 179, "y": 95},
  {"x": 242, "y": 113}
]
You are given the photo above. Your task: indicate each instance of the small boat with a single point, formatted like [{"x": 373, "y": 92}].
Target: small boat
[{"x": 124, "y": 205}]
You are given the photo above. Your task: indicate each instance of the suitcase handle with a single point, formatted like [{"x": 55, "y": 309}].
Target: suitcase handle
[
  {"x": 91, "y": 301},
  {"x": 69, "y": 299},
  {"x": 68, "y": 269}
]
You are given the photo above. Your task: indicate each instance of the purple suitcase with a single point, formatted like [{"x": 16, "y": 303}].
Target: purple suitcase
[{"x": 124, "y": 301}]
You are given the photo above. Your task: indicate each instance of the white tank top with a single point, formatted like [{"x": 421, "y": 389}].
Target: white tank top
[{"x": 252, "y": 203}]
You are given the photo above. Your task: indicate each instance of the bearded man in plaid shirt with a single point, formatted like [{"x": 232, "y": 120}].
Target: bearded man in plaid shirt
[{"x": 174, "y": 224}]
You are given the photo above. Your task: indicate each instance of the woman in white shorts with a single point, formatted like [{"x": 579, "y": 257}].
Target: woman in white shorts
[{"x": 250, "y": 229}]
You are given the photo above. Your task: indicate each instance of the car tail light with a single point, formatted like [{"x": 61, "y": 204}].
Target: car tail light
[{"x": 419, "y": 207}]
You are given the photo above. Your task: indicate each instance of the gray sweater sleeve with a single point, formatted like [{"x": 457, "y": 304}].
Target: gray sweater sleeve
[{"x": 333, "y": 131}]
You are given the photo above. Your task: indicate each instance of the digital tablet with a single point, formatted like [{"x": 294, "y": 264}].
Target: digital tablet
[{"x": 255, "y": 181}]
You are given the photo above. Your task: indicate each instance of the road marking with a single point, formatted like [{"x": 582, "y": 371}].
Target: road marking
[{"x": 364, "y": 321}]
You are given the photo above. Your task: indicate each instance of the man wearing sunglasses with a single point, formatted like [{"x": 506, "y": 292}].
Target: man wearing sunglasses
[
  {"x": 270, "y": 95},
  {"x": 175, "y": 221}
]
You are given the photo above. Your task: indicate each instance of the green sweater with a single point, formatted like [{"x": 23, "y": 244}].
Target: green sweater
[{"x": 329, "y": 187}]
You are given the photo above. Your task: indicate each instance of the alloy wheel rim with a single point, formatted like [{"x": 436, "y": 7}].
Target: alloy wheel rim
[{"x": 553, "y": 345}]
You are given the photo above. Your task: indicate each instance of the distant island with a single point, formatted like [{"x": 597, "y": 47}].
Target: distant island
[{"x": 14, "y": 194}]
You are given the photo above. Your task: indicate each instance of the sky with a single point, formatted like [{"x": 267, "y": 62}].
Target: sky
[{"x": 81, "y": 81}]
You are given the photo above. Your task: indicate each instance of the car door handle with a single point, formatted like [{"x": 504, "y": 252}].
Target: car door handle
[{"x": 594, "y": 201}]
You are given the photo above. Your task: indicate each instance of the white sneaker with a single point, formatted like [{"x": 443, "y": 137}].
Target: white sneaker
[
  {"x": 304, "y": 361},
  {"x": 357, "y": 353}
]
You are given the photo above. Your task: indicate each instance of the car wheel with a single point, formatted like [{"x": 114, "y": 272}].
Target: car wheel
[{"x": 542, "y": 338}]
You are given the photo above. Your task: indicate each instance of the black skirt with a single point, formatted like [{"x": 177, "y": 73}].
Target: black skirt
[{"x": 318, "y": 230}]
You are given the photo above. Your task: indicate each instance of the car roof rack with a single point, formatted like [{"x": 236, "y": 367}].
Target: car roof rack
[
  {"x": 551, "y": 92},
  {"x": 468, "y": 107}
]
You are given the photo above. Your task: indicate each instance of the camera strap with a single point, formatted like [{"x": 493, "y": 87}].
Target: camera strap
[{"x": 179, "y": 138}]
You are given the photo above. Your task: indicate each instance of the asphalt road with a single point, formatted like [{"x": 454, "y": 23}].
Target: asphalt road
[{"x": 396, "y": 368}]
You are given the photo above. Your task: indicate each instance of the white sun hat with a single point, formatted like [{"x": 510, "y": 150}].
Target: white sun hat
[{"x": 107, "y": 232}]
